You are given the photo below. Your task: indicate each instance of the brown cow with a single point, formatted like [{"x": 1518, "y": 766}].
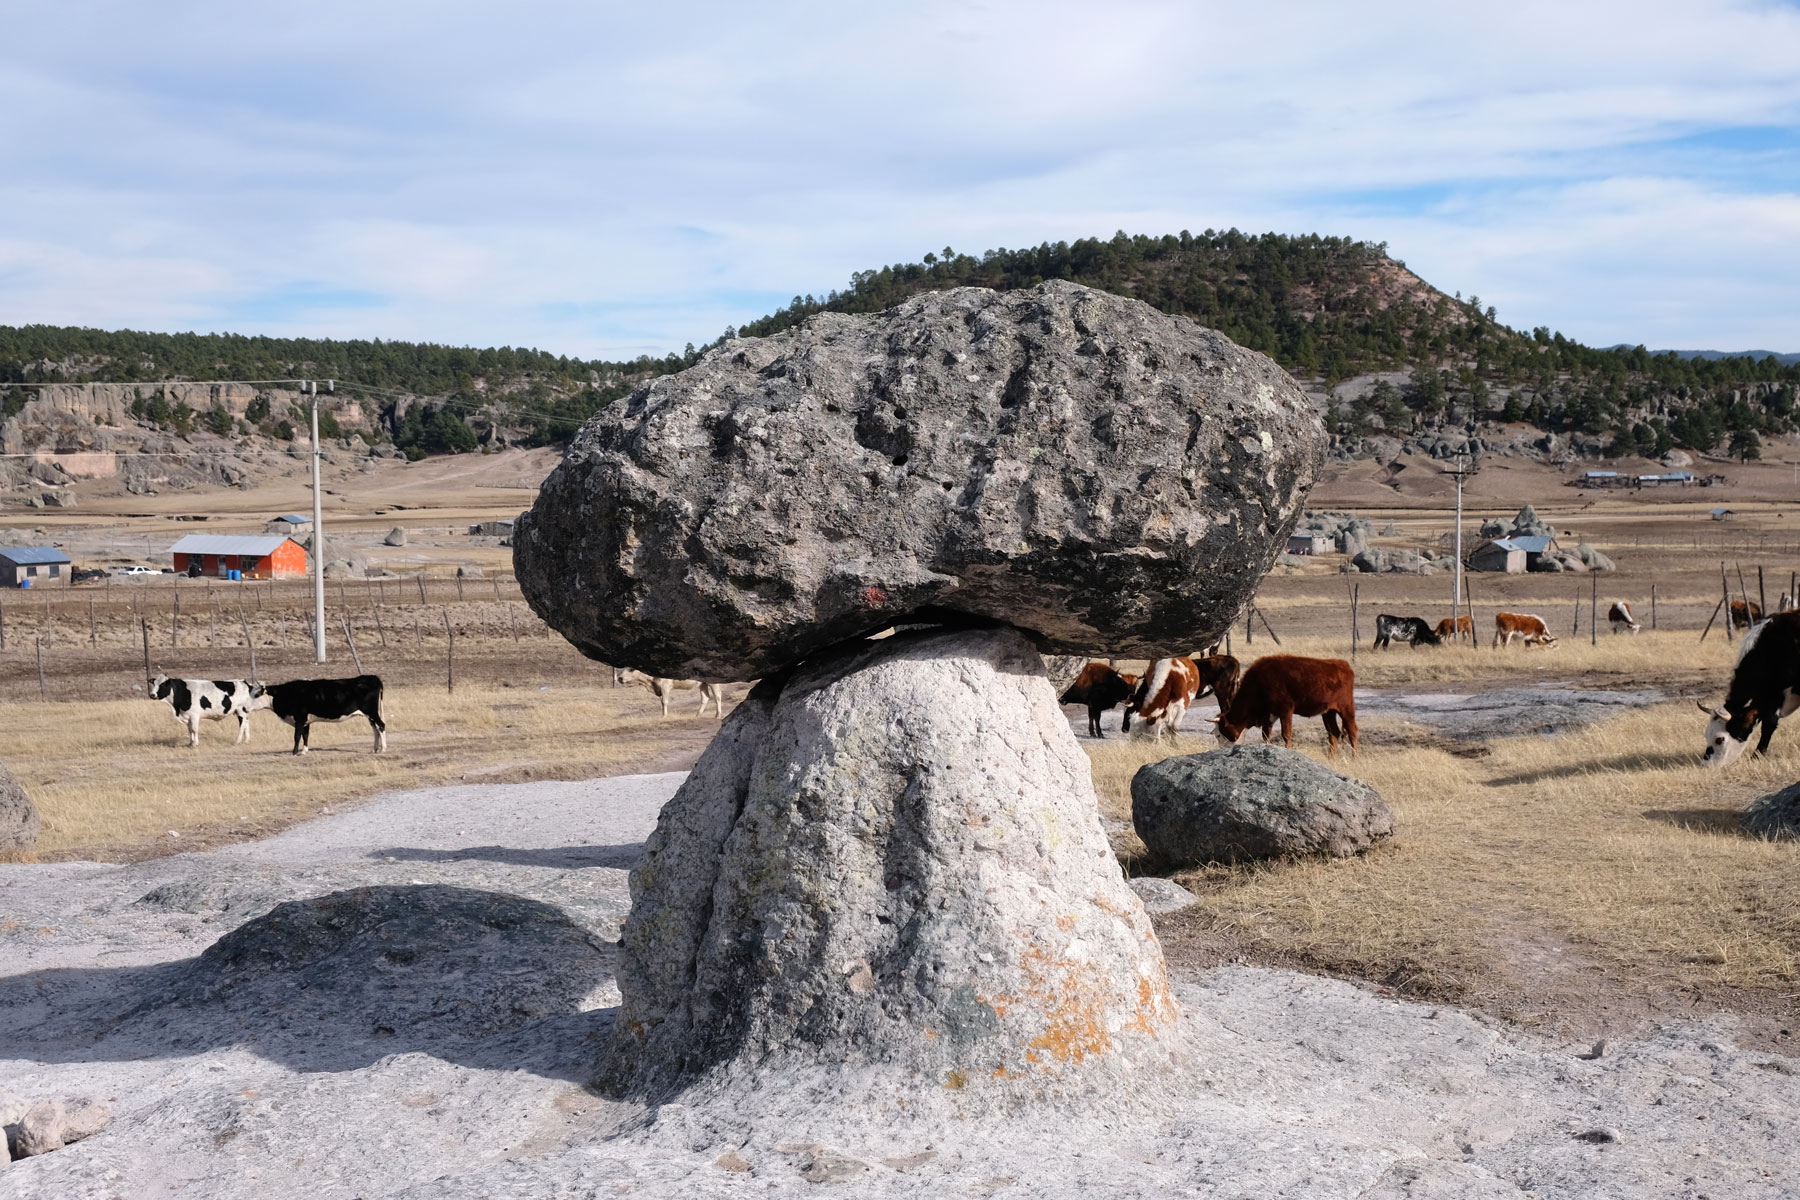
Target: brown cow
[
  {"x": 1218, "y": 675},
  {"x": 1508, "y": 626},
  {"x": 1455, "y": 627},
  {"x": 1100, "y": 688},
  {"x": 1619, "y": 617},
  {"x": 1745, "y": 613},
  {"x": 1163, "y": 695},
  {"x": 1282, "y": 686}
]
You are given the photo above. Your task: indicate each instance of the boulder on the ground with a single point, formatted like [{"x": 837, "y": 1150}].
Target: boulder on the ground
[
  {"x": 1250, "y": 802},
  {"x": 396, "y": 537},
  {"x": 1159, "y": 895},
  {"x": 1775, "y": 816},
  {"x": 1370, "y": 561},
  {"x": 346, "y": 568},
  {"x": 1405, "y": 562},
  {"x": 893, "y": 863},
  {"x": 1071, "y": 462},
  {"x": 20, "y": 824},
  {"x": 1593, "y": 559},
  {"x": 54, "y": 1123},
  {"x": 1526, "y": 524}
]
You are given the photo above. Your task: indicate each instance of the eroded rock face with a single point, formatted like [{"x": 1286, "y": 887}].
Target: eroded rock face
[
  {"x": 1249, "y": 802},
  {"x": 896, "y": 863},
  {"x": 19, "y": 820},
  {"x": 1070, "y": 462}
]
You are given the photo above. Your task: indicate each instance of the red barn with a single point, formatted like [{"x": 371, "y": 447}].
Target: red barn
[{"x": 256, "y": 557}]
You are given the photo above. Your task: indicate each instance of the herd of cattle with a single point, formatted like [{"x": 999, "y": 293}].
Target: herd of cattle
[{"x": 1765, "y": 687}]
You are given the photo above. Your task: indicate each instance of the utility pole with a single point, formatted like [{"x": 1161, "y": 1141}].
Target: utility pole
[
  {"x": 1463, "y": 471},
  {"x": 311, "y": 387}
]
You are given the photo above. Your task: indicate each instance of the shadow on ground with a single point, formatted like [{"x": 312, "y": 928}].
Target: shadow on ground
[
  {"x": 569, "y": 858},
  {"x": 340, "y": 981}
]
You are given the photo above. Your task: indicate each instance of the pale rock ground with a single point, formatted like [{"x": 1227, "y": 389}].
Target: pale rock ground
[{"x": 1294, "y": 1086}]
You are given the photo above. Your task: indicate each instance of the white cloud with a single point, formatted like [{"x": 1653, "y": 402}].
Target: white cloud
[{"x": 615, "y": 179}]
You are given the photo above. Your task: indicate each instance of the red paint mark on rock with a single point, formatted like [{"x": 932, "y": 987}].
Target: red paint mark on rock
[{"x": 874, "y": 597}]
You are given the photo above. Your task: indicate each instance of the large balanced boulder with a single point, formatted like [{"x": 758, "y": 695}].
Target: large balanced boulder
[
  {"x": 891, "y": 866},
  {"x": 19, "y": 820},
  {"x": 1114, "y": 479},
  {"x": 1252, "y": 802}
]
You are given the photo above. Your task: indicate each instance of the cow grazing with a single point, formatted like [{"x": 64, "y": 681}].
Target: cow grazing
[
  {"x": 1218, "y": 675},
  {"x": 1786, "y": 604},
  {"x": 1412, "y": 630},
  {"x": 1451, "y": 627},
  {"x": 1100, "y": 688},
  {"x": 300, "y": 702},
  {"x": 1619, "y": 617},
  {"x": 1283, "y": 686},
  {"x": 1527, "y": 626},
  {"x": 664, "y": 689},
  {"x": 1765, "y": 687},
  {"x": 1163, "y": 695},
  {"x": 1745, "y": 613},
  {"x": 196, "y": 700}
]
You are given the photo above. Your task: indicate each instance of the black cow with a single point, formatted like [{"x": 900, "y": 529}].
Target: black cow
[
  {"x": 1100, "y": 688},
  {"x": 1412, "y": 630},
  {"x": 303, "y": 701},
  {"x": 1765, "y": 687}
]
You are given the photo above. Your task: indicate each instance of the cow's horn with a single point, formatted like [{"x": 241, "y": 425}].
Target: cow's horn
[{"x": 1703, "y": 708}]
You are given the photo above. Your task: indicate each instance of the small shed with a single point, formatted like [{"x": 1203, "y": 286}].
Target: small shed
[
  {"x": 289, "y": 525},
  {"x": 492, "y": 529},
  {"x": 1667, "y": 479},
  {"x": 1605, "y": 479},
  {"x": 220, "y": 554},
  {"x": 1310, "y": 543},
  {"x": 1720, "y": 514},
  {"x": 33, "y": 566},
  {"x": 1498, "y": 554}
]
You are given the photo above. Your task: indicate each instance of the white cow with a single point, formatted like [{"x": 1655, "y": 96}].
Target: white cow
[
  {"x": 196, "y": 700},
  {"x": 663, "y": 689}
]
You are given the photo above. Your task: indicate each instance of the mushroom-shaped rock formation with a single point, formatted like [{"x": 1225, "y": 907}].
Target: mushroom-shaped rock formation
[
  {"x": 891, "y": 866},
  {"x": 1076, "y": 464}
]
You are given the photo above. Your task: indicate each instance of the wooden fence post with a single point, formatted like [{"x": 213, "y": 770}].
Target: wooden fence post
[
  {"x": 380, "y": 627},
  {"x": 459, "y": 579},
  {"x": 420, "y": 580},
  {"x": 248, "y": 641},
  {"x": 1260, "y": 615},
  {"x": 175, "y": 619},
  {"x": 42, "y": 694},
  {"x": 1762, "y": 597},
  {"x": 1576, "y": 628},
  {"x": 351, "y": 640},
  {"x": 1593, "y": 610},
  {"x": 146, "y": 627},
  {"x": 1653, "y": 607},
  {"x": 93, "y": 637},
  {"x": 1725, "y": 591},
  {"x": 514, "y": 618},
  {"x": 449, "y": 654},
  {"x": 1744, "y": 594}
]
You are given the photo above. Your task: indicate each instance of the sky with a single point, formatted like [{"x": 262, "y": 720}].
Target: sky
[{"x": 610, "y": 180}]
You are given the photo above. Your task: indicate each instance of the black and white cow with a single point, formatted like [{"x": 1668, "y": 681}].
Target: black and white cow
[
  {"x": 1412, "y": 630},
  {"x": 197, "y": 700},
  {"x": 303, "y": 701},
  {"x": 1765, "y": 687}
]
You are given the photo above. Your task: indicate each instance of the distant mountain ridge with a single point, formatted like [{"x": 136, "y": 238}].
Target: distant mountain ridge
[{"x": 1786, "y": 360}]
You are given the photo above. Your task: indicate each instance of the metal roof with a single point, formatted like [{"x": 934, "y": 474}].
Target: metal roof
[
  {"x": 32, "y": 555},
  {"x": 1498, "y": 544},
  {"x": 1602, "y": 474},
  {"x": 1530, "y": 545},
  {"x": 294, "y": 519},
  {"x": 225, "y": 543}
]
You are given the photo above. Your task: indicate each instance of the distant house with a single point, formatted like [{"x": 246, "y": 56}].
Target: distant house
[
  {"x": 289, "y": 525},
  {"x": 220, "y": 554},
  {"x": 1720, "y": 514},
  {"x": 1310, "y": 543},
  {"x": 492, "y": 529},
  {"x": 1667, "y": 479},
  {"x": 1606, "y": 479},
  {"x": 33, "y": 566},
  {"x": 1499, "y": 554}
]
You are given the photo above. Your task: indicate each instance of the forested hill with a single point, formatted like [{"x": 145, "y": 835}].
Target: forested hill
[
  {"x": 1330, "y": 308},
  {"x": 547, "y": 395}
]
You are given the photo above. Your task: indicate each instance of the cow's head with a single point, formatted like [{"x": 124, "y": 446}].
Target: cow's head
[
  {"x": 156, "y": 687},
  {"x": 1229, "y": 734},
  {"x": 259, "y": 698},
  {"x": 1548, "y": 641},
  {"x": 1726, "y": 735}
]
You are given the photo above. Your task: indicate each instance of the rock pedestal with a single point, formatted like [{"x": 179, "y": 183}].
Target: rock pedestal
[
  {"x": 19, "y": 820},
  {"x": 891, "y": 865}
]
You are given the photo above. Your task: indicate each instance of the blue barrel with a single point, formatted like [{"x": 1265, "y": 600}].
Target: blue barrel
[
  {"x": 24, "y": 583},
  {"x": 234, "y": 574}
]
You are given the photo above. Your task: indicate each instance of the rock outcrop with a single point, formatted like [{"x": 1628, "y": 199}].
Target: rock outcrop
[
  {"x": 1775, "y": 816},
  {"x": 1074, "y": 463},
  {"x": 1252, "y": 802},
  {"x": 892, "y": 866},
  {"x": 19, "y": 820}
]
